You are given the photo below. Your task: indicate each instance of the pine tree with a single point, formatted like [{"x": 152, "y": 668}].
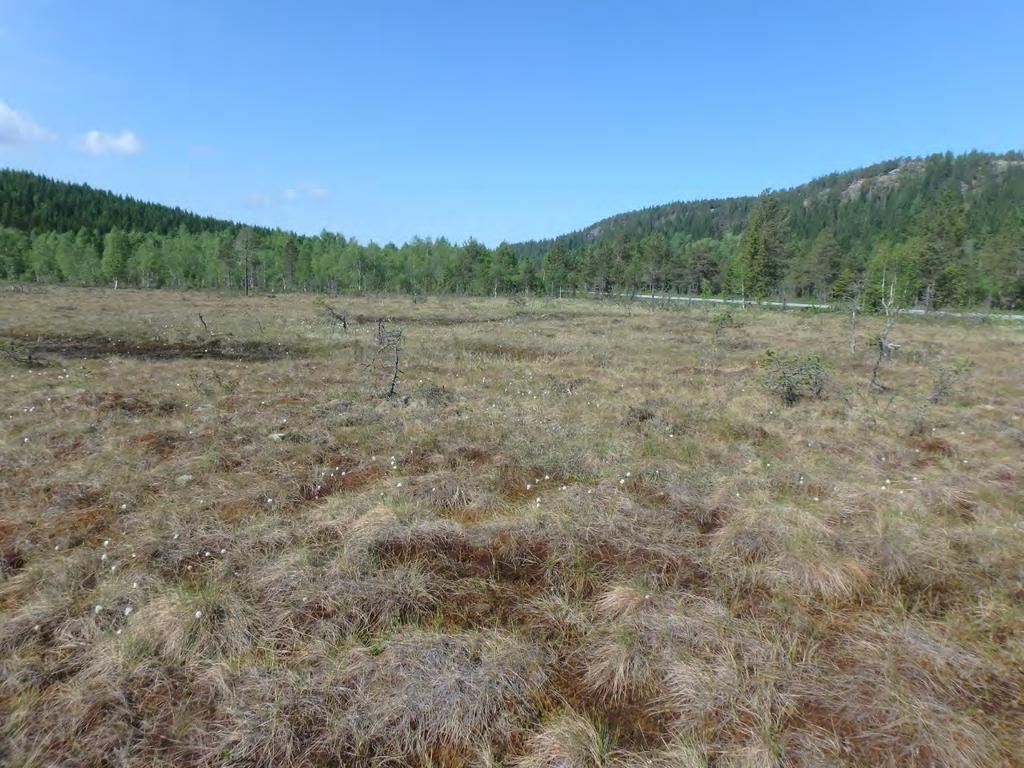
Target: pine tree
[
  {"x": 555, "y": 268},
  {"x": 764, "y": 249},
  {"x": 943, "y": 226},
  {"x": 812, "y": 273},
  {"x": 504, "y": 268}
]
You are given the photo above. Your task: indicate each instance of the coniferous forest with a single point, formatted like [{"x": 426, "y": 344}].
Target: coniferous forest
[{"x": 947, "y": 230}]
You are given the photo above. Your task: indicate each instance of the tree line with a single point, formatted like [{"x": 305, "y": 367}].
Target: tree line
[{"x": 949, "y": 231}]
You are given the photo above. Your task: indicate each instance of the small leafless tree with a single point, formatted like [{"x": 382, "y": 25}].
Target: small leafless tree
[
  {"x": 885, "y": 347},
  {"x": 948, "y": 379},
  {"x": 245, "y": 244},
  {"x": 853, "y": 297},
  {"x": 389, "y": 349},
  {"x": 340, "y": 318}
]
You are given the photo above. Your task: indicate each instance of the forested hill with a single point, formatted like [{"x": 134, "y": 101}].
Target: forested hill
[
  {"x": 857, "y": 207},
  {"x": 33, "y": 203},
  {"x": 948, "y": 230}
]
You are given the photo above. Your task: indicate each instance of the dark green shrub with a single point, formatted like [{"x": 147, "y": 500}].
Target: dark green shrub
[{"x": 796, "y": 377}]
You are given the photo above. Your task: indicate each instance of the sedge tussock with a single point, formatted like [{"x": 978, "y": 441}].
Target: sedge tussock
[
  {"x": 569, "y": 740},
  {"x": 422, "y": 690}
]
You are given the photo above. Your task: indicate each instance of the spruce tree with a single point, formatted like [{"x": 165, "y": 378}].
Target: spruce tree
[{"x": 764, "y": 249}]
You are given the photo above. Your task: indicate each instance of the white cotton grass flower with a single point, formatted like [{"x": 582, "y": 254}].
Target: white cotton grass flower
[
  {"x": 97, "y": 609},
  {"x": 222, "y": 550},
  {"x": 103, "y": 557},
  {"x": 127, "y": 610},
  {"x": 106, "y": 542},
  {"x": 199, "y": 614}
]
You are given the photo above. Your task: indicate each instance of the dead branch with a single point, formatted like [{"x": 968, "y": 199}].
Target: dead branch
[
  {"x": 23, "y": 356},
  {"x": 885, "y": 347}
]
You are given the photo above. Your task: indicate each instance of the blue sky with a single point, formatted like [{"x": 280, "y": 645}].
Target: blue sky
[{"x": 500, "y": 120}]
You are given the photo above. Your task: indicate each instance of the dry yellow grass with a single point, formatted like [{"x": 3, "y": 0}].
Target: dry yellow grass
[{"x": 583, "y": 534}]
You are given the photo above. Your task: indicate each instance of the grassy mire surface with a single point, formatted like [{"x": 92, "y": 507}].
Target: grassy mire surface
[{"x": 582, "y": 535}]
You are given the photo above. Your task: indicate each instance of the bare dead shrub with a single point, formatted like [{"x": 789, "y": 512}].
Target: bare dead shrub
[{"x": 948, "y": 379}]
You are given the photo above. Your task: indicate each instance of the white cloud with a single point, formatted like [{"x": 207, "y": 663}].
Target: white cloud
[
  {"x": 307, "y": 190},
  {"x": 315, "y": 191},
  {"x": 101, "y": 143},
  {"x": 257, "y": 200},
  {"x": 16, "y": 130}
]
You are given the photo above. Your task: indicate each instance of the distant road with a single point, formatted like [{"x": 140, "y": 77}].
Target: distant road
[{"x": 800, "y": 305}]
